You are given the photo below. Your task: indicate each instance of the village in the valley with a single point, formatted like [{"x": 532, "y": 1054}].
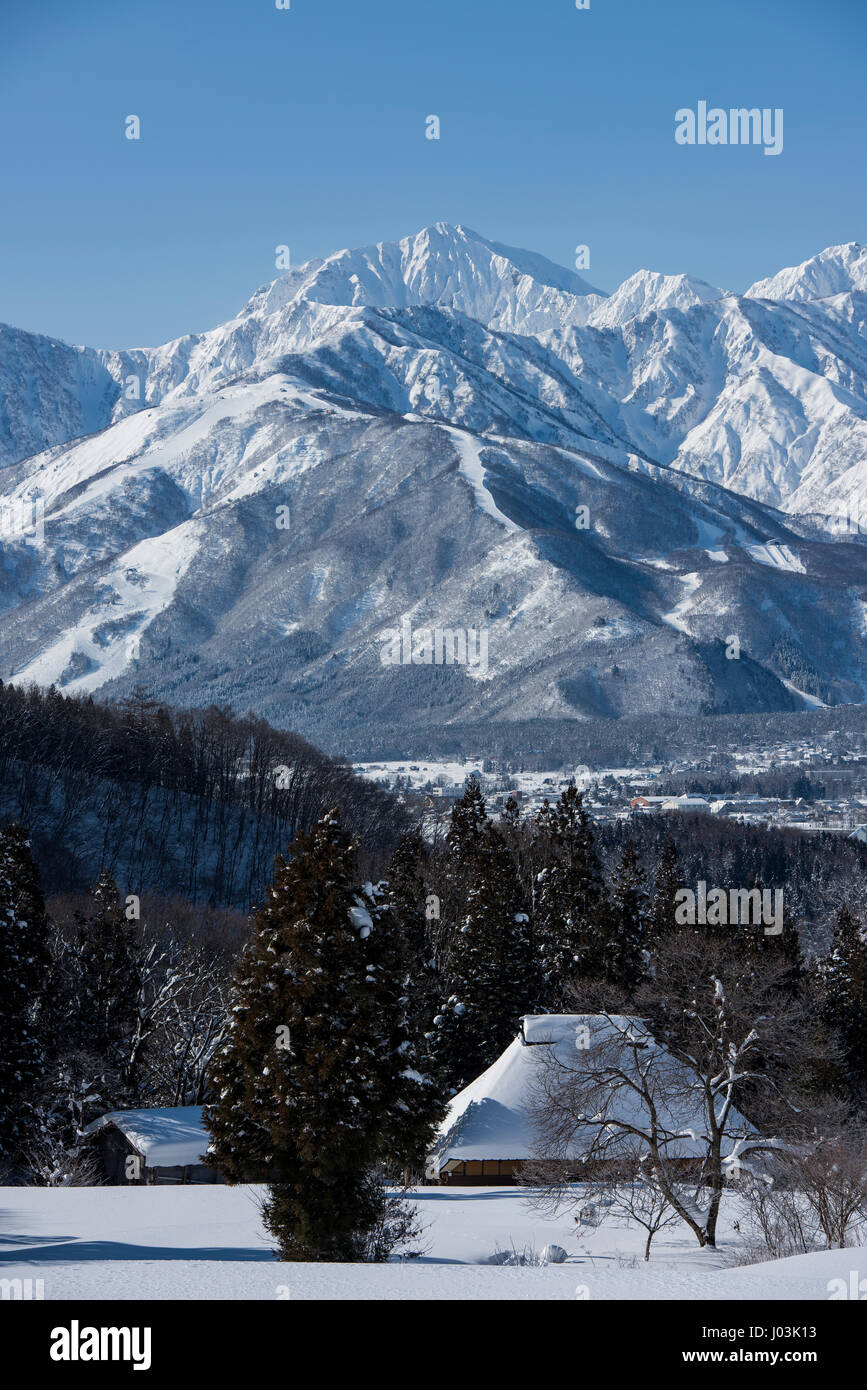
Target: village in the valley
[{"x": 819, "y": 785}]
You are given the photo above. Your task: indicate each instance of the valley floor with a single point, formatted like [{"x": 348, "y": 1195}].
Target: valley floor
[{"x": 208, "y": 1243}]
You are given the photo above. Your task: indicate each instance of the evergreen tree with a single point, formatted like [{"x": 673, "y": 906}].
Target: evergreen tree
[
  {"x": 314, "y": 1081},
  {"x": 569, "y": 901},
  {"x": 784, "y": 950},
  {"x": 625, "y": 922},
  {"x": 413, "y": 1100},
  {"x": 91, "y": 1006},
  {"x": 522, "y": 840},
  {"x": 669, "y": 878},
  {"x": 844, "y": 987},
  {"x": 24, "y": 961},
  {"x": 414, "y": 912},
  {"x": 469, "y": 822},
  {"x": 492, "y": 973},
  {"x": 459, "y": 866},
  {"x": 108, "y": 983}
]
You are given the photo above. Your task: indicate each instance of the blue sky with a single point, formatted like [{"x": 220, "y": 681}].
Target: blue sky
[{"x": 306, "y": 127}]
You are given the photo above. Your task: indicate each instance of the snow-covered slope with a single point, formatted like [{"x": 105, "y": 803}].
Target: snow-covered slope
[
  {"x": 647, "y": 292},
  {"x": 764, "y": 393},
  {"x": 49, "y": 393},
  {"x": 460, "y": 435},
  {"x": 452, "y": 267},
  {"x": 836, "y": 270}
]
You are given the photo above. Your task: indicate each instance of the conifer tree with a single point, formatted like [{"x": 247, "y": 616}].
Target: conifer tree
[
  {"x": 24, "y": 961},
  {"x": 468, "y": 826},
  {"x": 668, "y": 880},
  {"x": 625, "y": 922},
  {"x": 569, "y": 901},
  {"x": 492, "y": 975},
  {"x": 414, "y": 912},
  {"x": 469, "y": 823},
  {"x": 314, "y": 1081},
  {"x": 413, "y": 1099},
  {"x": 844, "y": 987},
  {"x": 784, "y": 950},
  {"x": 107, "y": 982}
]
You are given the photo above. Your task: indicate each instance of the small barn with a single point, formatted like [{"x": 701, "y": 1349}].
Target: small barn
[
  {"x": 158, "y": 1146},
  {"x": 487, "y": 1134}
]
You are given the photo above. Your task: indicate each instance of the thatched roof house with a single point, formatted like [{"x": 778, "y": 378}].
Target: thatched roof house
[{"x": 487, "y": 1133}]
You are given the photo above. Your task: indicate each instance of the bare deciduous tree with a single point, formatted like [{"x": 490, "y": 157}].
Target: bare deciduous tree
[
  {"x": 628, "y": 1096},
  {"x": 831, "y": 1174}
]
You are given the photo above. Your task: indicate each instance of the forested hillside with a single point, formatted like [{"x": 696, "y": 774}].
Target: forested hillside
[{"x": 190, "y": 802}]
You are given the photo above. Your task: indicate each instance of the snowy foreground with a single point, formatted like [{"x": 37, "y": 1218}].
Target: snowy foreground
[{"x": 208, "y": 1242}]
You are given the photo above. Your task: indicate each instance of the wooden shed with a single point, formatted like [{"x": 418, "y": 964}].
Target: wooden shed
[{"x": 159, "y": 1146}]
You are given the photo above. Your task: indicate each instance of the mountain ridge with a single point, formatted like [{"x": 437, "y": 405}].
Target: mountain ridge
[{"x": 436, "y": 468}]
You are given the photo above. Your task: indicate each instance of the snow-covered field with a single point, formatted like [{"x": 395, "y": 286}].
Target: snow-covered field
[{"x": 208, "y": 1243}]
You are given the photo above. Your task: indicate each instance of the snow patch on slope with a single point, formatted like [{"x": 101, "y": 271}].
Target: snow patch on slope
[
  {"x": 780, "y": 557},
  {"x": 472, "y": 468},
  {"x": 676, "y": 618},
  {"x": 129, "y": 597}
]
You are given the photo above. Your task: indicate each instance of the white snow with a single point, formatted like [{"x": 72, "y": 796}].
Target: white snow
[
  {"x": 676, "y": 617},
  {"x": 647, "y": 292},
  {"x": 209, "y": 1243},
  {"x": 473, "y": 470},
  {"x": 361, "y": 919},
  {"x": 128, "y": 597},
  {"x": 836, "y": 270},
  {"x": 811, "y": 701},
  {"x": 762, "y": 395},
  {"x": 780, "y": 557}
]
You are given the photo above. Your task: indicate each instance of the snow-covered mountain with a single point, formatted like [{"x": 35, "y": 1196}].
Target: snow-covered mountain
[
  {"x": 647, "y": 292},
  {"x": 452, "y": 267},
  {"x": 837, "y": 270},
  {"x": 452, "y": 433},
  {"x": 49, "y": 393}
]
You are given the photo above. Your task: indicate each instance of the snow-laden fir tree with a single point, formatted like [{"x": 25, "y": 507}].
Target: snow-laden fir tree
[
  {"x": 668, "y": 879},
  {"x": 624, "y": 922},
  {"x": 469, "y": 822},
  {"x": 414, "y": 923},
  {"x": 24, "y": 960},
  {"x": 315, "y": 1081},
  {"x": 108, "y": 981},
  {"x": 492, "y": 972},
  {"x": 843, "y": 978},
  {"x": 569, "y": 901},
  {"x": 415, "y": 1100},
  {"x": 92, "y": 998}
]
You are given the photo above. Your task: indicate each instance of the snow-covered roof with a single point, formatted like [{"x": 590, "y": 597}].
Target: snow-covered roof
[
  {"x": 489, "y": 1118},
  {"x": 166, "y": 1138}
]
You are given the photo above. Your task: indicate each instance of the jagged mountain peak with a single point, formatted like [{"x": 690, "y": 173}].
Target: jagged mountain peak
[
  {"x": 836, "y": 270},
  {"x": 443, "y": 265},
  {"x": 650, "y": 291}
]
